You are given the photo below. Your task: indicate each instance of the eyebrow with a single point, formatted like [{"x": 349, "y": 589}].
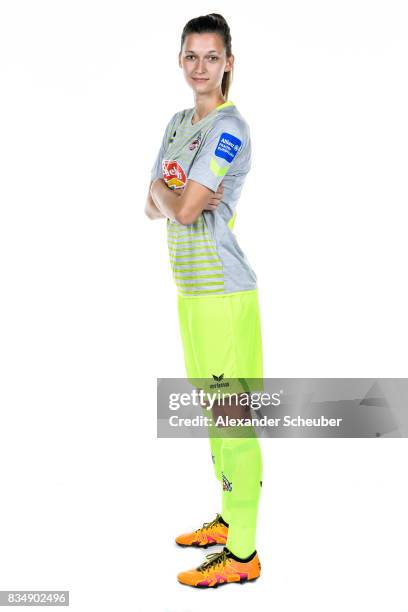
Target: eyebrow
[{"x": 211, "y": 51}]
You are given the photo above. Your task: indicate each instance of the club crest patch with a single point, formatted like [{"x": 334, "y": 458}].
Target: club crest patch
[
  {"x": 194, "y": 144},
  {"x": 226, "y": 484},
  {"x": 228, "y": 146},
  {"x": 173, "y": 174}
]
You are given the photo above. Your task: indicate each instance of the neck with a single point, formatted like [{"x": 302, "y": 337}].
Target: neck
[{"x": 206, "y": 104}]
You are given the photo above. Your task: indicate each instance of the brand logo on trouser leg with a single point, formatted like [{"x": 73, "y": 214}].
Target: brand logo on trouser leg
[
  {"x": 220, "y": 377},
  {"x": 219, "y": 382}
]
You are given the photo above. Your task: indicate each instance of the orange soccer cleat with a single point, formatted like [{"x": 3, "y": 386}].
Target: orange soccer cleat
[
  {"x": 209, "y": 534},
  {"x": 221, "y": 568}
]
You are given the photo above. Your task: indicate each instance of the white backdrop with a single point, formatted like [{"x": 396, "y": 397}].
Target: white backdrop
[{"x": 91, "y": 500}]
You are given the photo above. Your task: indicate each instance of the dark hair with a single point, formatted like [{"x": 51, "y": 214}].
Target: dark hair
[{"x": 212, "y": 23}]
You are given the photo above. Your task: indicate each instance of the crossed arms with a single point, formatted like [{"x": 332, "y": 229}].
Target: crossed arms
[{"x": 181, "y": 205}]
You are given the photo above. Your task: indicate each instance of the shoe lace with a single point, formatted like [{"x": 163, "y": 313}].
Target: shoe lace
[
  {"x": 209, "y": 525},
  {"x": 213, "y": 560}
]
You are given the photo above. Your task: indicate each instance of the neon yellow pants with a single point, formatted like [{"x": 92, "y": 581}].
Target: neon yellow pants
[{"x": 221, "y": 337}]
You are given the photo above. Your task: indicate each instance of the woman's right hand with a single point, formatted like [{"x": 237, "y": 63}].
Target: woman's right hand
[{"x": 215, "y": 199}]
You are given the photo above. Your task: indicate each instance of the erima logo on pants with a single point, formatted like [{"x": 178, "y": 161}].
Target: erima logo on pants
[{"x": 220, "y": 382}]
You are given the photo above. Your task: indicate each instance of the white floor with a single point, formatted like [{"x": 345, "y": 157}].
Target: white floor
[
  {"x": 96, "y": 512},
  {"x": 332, "y": 529}
]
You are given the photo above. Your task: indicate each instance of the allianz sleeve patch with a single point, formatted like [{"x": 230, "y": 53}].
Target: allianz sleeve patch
[{"x": 228, "y": 146}]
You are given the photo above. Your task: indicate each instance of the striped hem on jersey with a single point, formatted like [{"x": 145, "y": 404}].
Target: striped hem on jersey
[{"x": 195, "y": 264}]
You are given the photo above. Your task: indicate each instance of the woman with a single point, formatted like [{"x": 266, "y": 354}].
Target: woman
[{"x": 196, "y": 182}]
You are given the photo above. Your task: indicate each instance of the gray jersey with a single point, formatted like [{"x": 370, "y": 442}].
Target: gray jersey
[{"x": 205, "y": 256}]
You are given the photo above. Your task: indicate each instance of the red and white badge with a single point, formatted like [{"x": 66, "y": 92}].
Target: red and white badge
[{"x": 173, "y": 174}]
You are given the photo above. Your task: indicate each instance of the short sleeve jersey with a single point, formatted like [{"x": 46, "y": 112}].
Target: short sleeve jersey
[{"x": 205, "y": 256}]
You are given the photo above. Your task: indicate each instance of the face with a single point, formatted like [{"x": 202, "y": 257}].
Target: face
[{"x": 204, "y": 61}]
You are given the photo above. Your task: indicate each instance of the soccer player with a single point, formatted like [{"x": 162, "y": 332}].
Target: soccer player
[{"x": 196, "y": 183}]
